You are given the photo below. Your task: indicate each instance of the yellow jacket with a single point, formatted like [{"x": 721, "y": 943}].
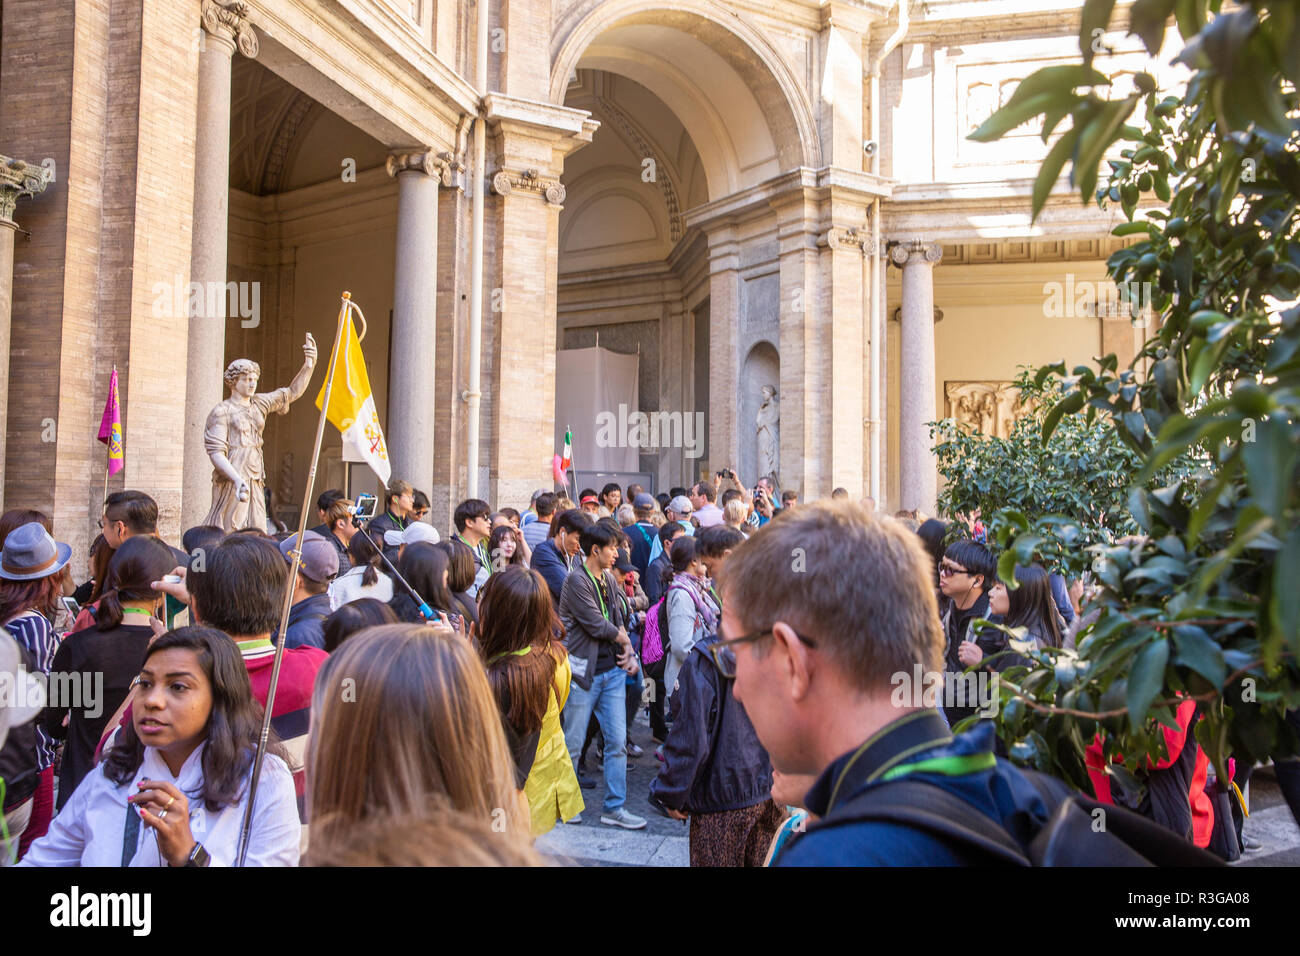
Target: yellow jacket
[{"x": 552, "y": 787}]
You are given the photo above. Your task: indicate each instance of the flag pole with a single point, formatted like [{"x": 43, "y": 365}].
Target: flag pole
[
  {"x": 108, "y": 448},
  {"x": 296, "y": 555}
]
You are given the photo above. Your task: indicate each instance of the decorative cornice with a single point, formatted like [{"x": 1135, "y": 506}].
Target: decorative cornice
[
  {"x": 229, "y": 21},
  {"x": 505, "y": 182},
  {"x": 19, "y": 179},
  {"x": 906, "y": 253}
]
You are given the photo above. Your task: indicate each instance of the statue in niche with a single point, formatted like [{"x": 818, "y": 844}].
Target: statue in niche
[
  {"x": 233, "y": 440},
  {"x": 769, "y": 423}
]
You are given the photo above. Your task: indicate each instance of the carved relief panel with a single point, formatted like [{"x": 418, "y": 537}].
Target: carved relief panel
[{"x": 988, "y": 408}]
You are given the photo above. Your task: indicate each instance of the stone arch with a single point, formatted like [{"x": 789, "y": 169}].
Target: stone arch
[
  {"x": 686, "y": 52},
  {"x": 761, "y": 366}
]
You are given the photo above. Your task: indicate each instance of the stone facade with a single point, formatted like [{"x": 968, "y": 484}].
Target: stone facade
[{"x": 694, "y": 174}]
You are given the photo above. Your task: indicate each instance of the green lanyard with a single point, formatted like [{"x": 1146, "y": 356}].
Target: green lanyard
[
  {"x": 137, "y": 610},
  {"x": 401, "y": 523},
  {"x": 480, "y": 549},
  {"x": 519, "y": 653},
  {"x": 599, "y": 593}
]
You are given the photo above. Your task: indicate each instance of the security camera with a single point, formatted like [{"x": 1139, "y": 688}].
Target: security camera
[{"x": 869, "y": 147}]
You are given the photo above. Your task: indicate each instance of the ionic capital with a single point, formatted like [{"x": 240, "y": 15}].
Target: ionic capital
[
  {"x": 229, "y": 21},
  {"x": 505, "y": 182},
  {"x": 19, "y": 179},
  {"x": 916, "y": 252}
]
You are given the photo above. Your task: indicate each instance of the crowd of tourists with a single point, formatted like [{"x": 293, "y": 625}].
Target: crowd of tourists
[{"x": 446, "y": 699}]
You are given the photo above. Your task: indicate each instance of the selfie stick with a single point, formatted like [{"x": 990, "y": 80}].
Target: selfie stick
[
  {"x": 425, "y": 610},
  {"x": 296, "y": 555}
]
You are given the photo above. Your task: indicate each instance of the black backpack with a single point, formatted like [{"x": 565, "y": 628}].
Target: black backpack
[{"x": 1068, "y": 838}]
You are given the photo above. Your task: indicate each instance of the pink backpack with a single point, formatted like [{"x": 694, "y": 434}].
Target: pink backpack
[{"x": 656, "y": 627}]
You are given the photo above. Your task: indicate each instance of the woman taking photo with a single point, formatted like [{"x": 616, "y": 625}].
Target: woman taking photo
[
  {"x": 1029, "y": 606},
  {"x": 113, "y": 647},
  {"x": 424, "y": 566},
  {"x": 172, "y": 790},
  {"x": 692, "y": 613},
  {"x": 403, "y": 725},
  {"x": 528, "y": 671},
  {"x": 32, "y": 574}
]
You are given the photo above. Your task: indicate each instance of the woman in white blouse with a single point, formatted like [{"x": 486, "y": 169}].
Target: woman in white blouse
[{"x": 172, "y": 790}]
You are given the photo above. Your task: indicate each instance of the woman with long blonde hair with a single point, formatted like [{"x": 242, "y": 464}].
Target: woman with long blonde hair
[{"x": 403, "y": 724}]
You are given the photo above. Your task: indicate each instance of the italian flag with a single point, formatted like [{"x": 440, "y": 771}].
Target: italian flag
[
  {"x": 566, "y": 456},
  {"x": 352, "y": 405}
]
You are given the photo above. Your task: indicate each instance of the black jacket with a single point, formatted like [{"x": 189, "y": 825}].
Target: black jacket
[{"x": 712, "y": 758}]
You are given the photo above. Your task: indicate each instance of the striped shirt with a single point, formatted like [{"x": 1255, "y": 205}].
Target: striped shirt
[{"x": 36, "y": 636}]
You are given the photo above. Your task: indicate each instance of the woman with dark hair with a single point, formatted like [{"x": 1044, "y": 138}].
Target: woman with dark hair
[
  {"x": 424, "y": 566},
  {"x": 1029, "y": 606},
  {"x": 32, "y": 573},
  {"x": 107, "y": 656},
  {"x": 932, "y": 532},
  {"x": 367, "y": 577},
  {"x": 352, "y": 617},
  {"x": 461, "y": 571},
  {"x": 528, "y": 671},
  {"x": 180, "y": 770},
  {"x": 504, "y": 548}
]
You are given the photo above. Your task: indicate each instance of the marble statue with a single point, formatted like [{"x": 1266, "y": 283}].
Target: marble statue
[
  {"x": 232, "y": 438},
  {"x": 768, "y": 421}
]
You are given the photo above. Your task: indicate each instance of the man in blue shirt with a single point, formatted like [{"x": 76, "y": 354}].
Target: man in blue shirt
[{"x": 553, "y": 558}]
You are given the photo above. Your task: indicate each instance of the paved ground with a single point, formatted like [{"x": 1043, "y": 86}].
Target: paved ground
[
  {"x": 664, "y": 842},
  {"x": 661, "y": 843}
]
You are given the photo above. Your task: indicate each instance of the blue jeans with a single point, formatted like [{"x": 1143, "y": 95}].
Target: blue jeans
[{"x": 608, "y": 698}]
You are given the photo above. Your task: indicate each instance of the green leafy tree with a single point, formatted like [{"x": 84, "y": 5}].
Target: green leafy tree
[
  {"x": 1207, "y": 603},
  {"x": 1083, "y": 473}
]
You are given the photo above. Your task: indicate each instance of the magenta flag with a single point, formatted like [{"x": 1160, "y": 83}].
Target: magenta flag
[{"x": 110, "y": 428}]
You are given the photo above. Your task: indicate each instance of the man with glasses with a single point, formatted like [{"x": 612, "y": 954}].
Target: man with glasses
[
  {"x": 967, "y": 573},
  {"x": 399, "y": 505},
  {"x": 473, "y": 520},
  {"x": 817, "y": 661}
]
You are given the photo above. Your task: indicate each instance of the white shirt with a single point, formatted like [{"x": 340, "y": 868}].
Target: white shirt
[
  {"x": 709, "y": 515},
  {"x": 90, "y": 828},
  {"x": 348, "y": 587}
]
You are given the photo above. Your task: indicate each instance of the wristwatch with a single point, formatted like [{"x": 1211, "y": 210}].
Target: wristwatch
[{"x": 198, "y": 856}]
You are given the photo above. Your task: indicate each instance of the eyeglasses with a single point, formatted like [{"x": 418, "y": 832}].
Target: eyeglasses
[
  {"x": 724, "y": 651},
  {"x": 946, "y": 569}
]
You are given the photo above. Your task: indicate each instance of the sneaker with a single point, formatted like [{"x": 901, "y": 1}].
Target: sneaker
[
  {"x": 576, "y": 819},
  {"x": 586, "y": 781},
  {"x": 622, "y": 818},
  {"x": 659, "y": 755},
  {"x": 633, "y": 750}
]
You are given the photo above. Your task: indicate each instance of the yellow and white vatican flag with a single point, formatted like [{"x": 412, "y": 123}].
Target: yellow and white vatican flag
[{"x": 352, "y": 405}]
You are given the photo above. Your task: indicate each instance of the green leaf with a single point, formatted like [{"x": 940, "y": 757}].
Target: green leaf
[
  {"x": 1145, "y": 679},
  {"x": 1270, "y": 460},
  {"x": 1020, "y": 110},
  {"x": 1285, "y": 606},
  {"x": 1095, "y": 17},
  {"x": 1051, "y": 169},
  {"x": 1200, "y": 653},
  {"x": 1067, "y": 406}
]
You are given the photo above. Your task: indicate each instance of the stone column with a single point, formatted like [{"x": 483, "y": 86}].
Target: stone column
[
  {"x": 415, "y": 295},
  {"x": 451, "y": 369},
  {"x": 724, "y": 352},
  {"x": 225, "y": 26},
  {"x": 919, "y": 478},
  {"x": 17, "y": 179}
]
